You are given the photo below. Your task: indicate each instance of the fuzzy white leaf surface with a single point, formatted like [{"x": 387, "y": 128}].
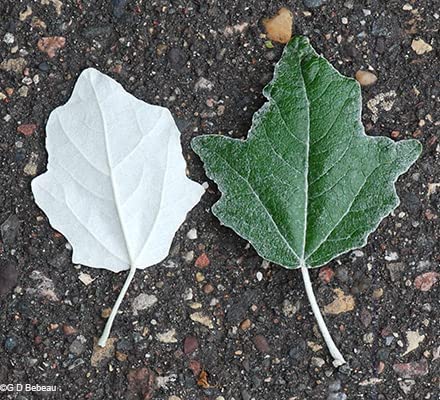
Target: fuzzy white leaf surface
[{"x": 115, "y": 184}]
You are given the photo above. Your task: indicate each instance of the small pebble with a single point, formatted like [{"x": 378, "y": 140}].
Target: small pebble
[
  {"x": 192, "y": 234},
  {"x": 31, "y": 167},
  {"x": 261, "y": 344},
  {"x": 203, "y": 84},
  {"x": 143, "y": 302},
  {"x": 44, "y": 67},
  {"x": 317, "y": 362},
  {"x": 23, "y": 91},
  {"x": 10, "y": 344},
  {"x": 202, "y": 261},
  {"x": 315, "y": 347},
  {"x": 190, "y": 344},
  {"x": 9, "y": 38},
  {"x": 365, "y": 78},
  {"x": 279, "y": 27},
  {"x": 188, "y": 294},
  {"x": 245, "y": 325},
  {"x": 78, "y": 346},
  {"x": 188, "y": 256},
  {"x": 25, "y": 13},
  {"x": 69, "y": 330},
  {"x": 289, "y": 309},
  {"x": 326, "y": 274},
  {"x": 377, "y": 293},
  {"x": 200, "y": 277},
  {"x": 411, "y": 369},
  {"x": 195, "y": 305},
  {"x": 161, "y": 49},
  {"x": 167, "y": 337},
  {"x": 208, "y": 288},
  {"x": 395, "y": 269},
  {"x": 420, "y": 46},
  {"x": 368, "y": 338},
  {"x": 16, "y": 65},
  {"x": 426, "y": 281},
  {"x": 202, "y": 319},
  {"x": 105, "y": 313},
  {"x": 51, "y": 45}
]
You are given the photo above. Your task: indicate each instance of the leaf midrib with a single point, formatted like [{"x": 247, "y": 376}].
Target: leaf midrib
[
  {"x": 115, "y": 197},
  {"x": 306, "y": 169}
]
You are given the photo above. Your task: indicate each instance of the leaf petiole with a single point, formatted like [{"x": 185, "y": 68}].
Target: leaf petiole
[
  {"x": 108, "y": 326},
  {"x": 338, "y": 359}
]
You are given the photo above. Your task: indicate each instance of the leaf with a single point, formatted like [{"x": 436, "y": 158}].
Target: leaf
[
  {"x": 115, "y": 184},
  {"x": 307, "y": 185}
]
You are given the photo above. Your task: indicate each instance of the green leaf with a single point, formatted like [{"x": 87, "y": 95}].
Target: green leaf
[{"x": 307, "y": 185}]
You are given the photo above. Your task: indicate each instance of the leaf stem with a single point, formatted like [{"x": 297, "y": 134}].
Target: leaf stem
[
  {"x": 336, "y": 354},
  {"x": 108, "y": 326}
]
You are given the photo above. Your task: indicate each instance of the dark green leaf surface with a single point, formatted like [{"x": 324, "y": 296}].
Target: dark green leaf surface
[{"x": 307, "y": 185}]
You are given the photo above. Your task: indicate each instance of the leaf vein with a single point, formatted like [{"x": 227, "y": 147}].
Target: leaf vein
[{"x": 262, "y": 205}]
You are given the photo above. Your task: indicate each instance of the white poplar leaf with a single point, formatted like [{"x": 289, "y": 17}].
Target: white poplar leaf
[{"x": 115, "y": 184}]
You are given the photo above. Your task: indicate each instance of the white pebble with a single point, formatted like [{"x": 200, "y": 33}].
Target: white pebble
[
  {"x": 358, "y": 253},
  {"x": 391, "y": 256},
  {"x": 9, "y": 38},
  {"x": 259, "y": 276},
  {"x": 192, "y": 234},
  {"x": 189, "y": 256},
  {"x": 188, "y": 295}
]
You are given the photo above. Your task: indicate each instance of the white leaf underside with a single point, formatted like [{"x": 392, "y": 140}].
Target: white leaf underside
[{"x": 115, "y": 184}]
